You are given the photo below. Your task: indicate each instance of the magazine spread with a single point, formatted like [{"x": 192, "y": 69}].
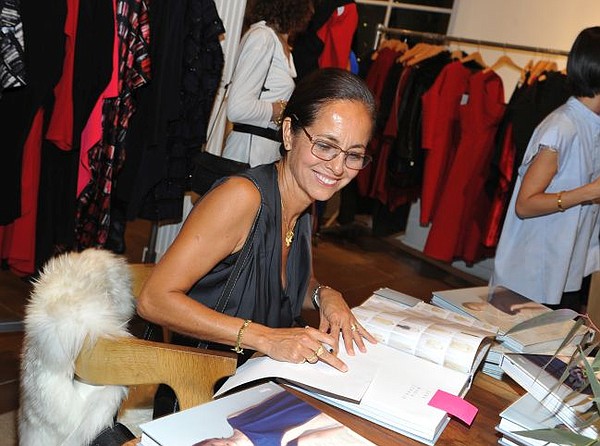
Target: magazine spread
[{"x": 264, "y": 414}]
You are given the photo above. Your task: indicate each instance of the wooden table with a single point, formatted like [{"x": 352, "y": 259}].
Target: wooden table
[{"x": 489, "y": 395}]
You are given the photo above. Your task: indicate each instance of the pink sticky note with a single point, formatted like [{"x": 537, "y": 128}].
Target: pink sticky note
[{"x": 454, "y": 405}]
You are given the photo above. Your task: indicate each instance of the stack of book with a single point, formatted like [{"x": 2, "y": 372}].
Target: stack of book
[
  {"x": 556, "y": 395},
  {"x": 502, "y": 309},
  {"x": 525, "y": 414}
]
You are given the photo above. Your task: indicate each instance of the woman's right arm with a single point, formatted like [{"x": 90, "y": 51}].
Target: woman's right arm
[{"x": 216, "y": 227}]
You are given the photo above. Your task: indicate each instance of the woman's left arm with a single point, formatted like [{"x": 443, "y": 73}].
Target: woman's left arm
[
  {"x": 533, "y": 200},
  {"x": 335, "y": 317}
]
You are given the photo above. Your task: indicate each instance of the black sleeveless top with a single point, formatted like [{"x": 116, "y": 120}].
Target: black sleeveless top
[{"x": 258, "y": 293}]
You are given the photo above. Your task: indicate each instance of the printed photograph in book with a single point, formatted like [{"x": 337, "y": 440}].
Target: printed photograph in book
[
  {"x": 499, "y": 307},
  {"x": 285, "y": 420},
  {"x": 265, "y": 414}
]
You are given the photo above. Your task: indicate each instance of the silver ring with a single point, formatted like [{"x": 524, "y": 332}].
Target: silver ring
[{"x": 353, "y": 328}]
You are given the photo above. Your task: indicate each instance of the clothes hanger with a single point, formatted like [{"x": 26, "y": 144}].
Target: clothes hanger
[
  {"x": 433, "y": 50},
  {"x": 538, "y": 68},
  {"x": 476, "y": 57},
  {"x": 504, "y": 60}
]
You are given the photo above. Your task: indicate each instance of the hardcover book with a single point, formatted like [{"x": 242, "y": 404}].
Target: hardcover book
[
  {"x": 569, "y": 401},
  {"x": 525, "y": 414},
  {"x": 386, "y": 385},
  {"x": 264, "y": 414}
]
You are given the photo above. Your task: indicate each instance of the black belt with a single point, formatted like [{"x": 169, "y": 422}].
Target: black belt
[{"x": 271, "y": 134}]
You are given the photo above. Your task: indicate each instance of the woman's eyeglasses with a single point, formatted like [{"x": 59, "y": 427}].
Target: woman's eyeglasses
[{"x": 327, "y": 151}]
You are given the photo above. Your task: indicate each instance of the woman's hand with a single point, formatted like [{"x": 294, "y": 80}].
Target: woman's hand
[
  {"x": 298, "y": 345},
  {"x": 336, "y": 318}
]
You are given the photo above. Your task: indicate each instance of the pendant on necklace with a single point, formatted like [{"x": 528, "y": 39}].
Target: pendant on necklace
[{"x": 289, "y": 238}]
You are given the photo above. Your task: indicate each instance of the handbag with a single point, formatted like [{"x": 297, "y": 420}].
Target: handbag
[{"x": 209, "y": 167}]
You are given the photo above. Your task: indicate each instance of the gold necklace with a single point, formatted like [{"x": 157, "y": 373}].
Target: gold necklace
[{"x": 289, "y": 233}]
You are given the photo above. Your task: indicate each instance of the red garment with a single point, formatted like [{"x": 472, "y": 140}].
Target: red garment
[
  {"x": 60, "y": 128},
  {"x": 457, "y": 227},
  {"x": 92, "y": 132},
  {"x": 337, "y": 34},
  {"x": 440, "y": 133},
  {"x": 503, "y": 191},
  {"x": 17, "y": 239}
]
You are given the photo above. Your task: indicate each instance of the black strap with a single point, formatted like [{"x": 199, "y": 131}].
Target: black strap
[
  {"x": 240, "y": 263},
  {"x": 268, "y": 133}
]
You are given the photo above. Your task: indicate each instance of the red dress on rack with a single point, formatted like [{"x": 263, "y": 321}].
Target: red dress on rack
[
  {"x": 457, "y": 227},
  {"x": 336, "y": 35},
  {"x": 441, "y": 133}
]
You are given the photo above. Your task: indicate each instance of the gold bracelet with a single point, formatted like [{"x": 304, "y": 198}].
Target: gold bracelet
[
  {"x": 238, "y": 343},
  {"x": 559, "y": 201},
  {"x": 279, "y": 120}
]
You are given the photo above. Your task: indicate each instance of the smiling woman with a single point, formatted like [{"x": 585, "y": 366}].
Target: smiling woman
[{"x": 240, "y": 271}]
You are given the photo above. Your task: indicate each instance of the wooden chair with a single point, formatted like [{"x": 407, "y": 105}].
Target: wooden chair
[{"x": 191, "y": 373}]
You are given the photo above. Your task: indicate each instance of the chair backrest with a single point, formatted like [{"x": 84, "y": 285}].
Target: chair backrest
[{"x": 191, "y": 373}]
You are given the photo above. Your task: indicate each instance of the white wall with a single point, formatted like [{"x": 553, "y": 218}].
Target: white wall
[{"x": 539, "y": 23}]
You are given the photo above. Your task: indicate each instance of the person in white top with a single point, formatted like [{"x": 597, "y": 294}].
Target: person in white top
[
  {"x": 550, "y": 237},
  {"x": 263, "y": 80}
]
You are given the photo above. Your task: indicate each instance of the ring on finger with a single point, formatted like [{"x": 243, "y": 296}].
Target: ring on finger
[
  {"x": 319, "y": 351},
  {"x": 353, "y": 327},
  {"x": 313, "y": 358}
]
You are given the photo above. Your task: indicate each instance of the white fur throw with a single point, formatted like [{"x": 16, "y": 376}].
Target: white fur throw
[{"x": 77, "y": 296}]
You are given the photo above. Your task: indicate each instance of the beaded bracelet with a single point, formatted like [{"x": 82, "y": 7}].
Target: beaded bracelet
[{"x": 238, "y": 343}]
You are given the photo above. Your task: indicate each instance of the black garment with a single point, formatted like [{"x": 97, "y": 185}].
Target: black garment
[
  {"x": 258, "y": 294},
  {"x": 532, "y": 105},
  {"x": 405, "y": 163},
  {"x": 43, "y": 28},
  {"x": 173, "y": 110}
]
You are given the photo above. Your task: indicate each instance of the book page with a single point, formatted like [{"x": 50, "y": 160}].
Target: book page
[{"x": 429, "y": 332}]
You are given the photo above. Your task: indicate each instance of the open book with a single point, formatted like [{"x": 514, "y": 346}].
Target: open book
[
  {"x": 264, "y": 414},
  {"x": 502, "y": 309},
  {"x": 390, "y": 385},
  {"x": 540, "y": 376}
]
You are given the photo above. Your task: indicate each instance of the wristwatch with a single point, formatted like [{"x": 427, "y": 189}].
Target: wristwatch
[{"x": 316, "y": 296}]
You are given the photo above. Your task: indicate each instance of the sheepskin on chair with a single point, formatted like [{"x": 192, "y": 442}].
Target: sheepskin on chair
[{"x": 78, "y": 296}]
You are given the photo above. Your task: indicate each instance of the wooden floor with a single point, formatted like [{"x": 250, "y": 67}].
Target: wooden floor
[{"x": 348, "y": 259}]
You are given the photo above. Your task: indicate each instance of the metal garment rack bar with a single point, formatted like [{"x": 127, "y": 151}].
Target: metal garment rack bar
[{"x": 443, "y": 38}]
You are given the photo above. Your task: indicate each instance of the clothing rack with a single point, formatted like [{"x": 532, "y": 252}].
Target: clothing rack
[{"x": 443, "y": 38}]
